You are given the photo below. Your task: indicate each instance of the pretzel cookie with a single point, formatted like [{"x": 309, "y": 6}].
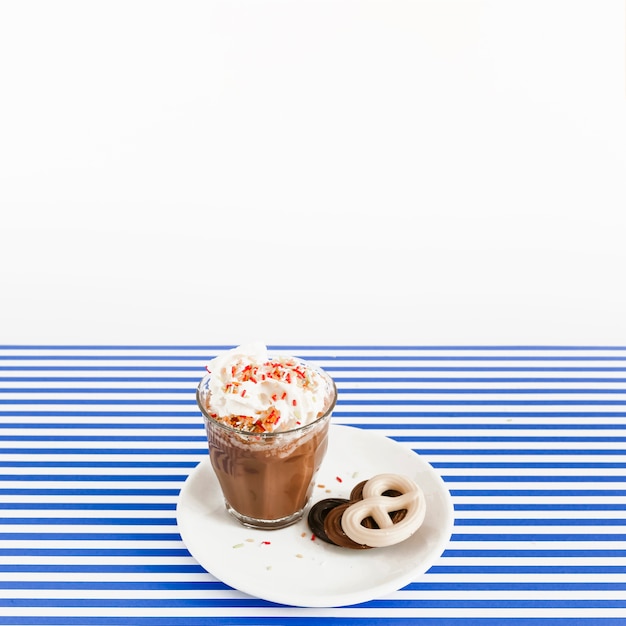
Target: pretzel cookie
[
  {"x": 381, "y": 511},
  {"x": 378, "y": 506}
]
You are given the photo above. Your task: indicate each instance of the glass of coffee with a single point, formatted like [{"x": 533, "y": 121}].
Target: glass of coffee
[{"x": 267, "y": 421}]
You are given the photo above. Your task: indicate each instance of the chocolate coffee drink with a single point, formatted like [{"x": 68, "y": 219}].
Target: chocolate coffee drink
[{"x": 267, "y": 421}]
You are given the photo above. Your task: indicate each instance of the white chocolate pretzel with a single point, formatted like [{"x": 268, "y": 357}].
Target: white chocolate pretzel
[{"x": 377, "y": 506}]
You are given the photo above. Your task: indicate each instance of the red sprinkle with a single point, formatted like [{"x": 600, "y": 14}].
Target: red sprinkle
[
  {"x": 284, "y": 395},
  {"x": 265, "y": 543},
  {"x": 243, "y": 393},
  {"x": 338, "y": 479},
  {"x": 313, "y": 537},
  {"x": 294, "y": 402}
]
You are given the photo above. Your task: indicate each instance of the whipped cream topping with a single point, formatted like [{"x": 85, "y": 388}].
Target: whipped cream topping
[{"x": 251, "y": 391}]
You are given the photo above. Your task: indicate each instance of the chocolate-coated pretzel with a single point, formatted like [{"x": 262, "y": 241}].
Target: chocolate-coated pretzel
[
  {"x": 317, "y": 516},
  {"x": 369, "y": 522},
  {"x": 334, "y": 530},
  {"x": 378, "y": 506}
]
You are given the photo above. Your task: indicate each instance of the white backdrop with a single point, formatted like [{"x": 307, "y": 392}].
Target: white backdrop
[{"x": 313, "y": 171}]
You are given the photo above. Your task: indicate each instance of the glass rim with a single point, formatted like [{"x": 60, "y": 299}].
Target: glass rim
[{"x": 274, "y": 433}]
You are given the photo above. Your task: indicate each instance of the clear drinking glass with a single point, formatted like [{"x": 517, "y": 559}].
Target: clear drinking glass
[{"x": 267, "y": 478}]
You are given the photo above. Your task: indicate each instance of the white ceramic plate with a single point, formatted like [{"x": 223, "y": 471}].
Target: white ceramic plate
[{"x": 286, "y": 566}]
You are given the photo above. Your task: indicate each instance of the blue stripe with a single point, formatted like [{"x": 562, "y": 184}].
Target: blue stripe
[
  {"x": 486, "y": 538},
  {"x": 89, "y": 521},
  {"x": 532, "y": 553},
  {"x": 416, "y": 436},
  {"x": 452, "y": 390},
  {"x": 338, "y": 379},
  {"x": 198, "y": 425},
  {"x": 141, "y": 451},
  {"x": 468, "y": 439},
  {"x": 570, "y": 506},
  {"x": 197, "y": 569},
  {"x": 552, "y": 478},
  {"x": 535, "y": 603},
  {"x": 202, "y": 437},
  {"x": 538, "y": 521},
  {"x": 154, "y": 348},
  {"x": 365, "y": 415},
  {"x": 99, "y": 390},
  {"x": 516, "y": 569},
  {"x": 250, "y": 602},
  {"x": 216, "y": 585},
  {"x": 441, "y": 379},
  {"x": 146, "y": 568},
  {"x": 91, "y": 506},
  {"x": 96, "y": 438},
  {"x": 274, "y": 347},
  {"x": 491, "y": 493},
  {"x": 428, "y": 585},
  {"x": 91, "y": 478},
  {"x": 297, "y": 620},
  {"x": 137, "y": 379},
  {"x": 134, "y": 357},
  {"x": 390, "y": 402},
  {"x": 327, "y": 367},
  {"x": 100, "y": 413},
  {"x": 368, "y": 415},
  {"x": 89, "y": 537},
  {"x": 201, "y": 452},
  {"x": 94, "y": 463},
  {"x": 352, "y": 390},
  {"x": 95, "y": 552},
  {"x": 380, "y": 425},
  {"x": 504, "y": 451},
  {"x": 309, "y": 357},
  {"x": 493, "y": 368},
  {"x": 100, "y": 401},
  {"x": 95, "y": 426},
  {"x": 535, "y": 538},
  {"x": 205, "y": 585},
  {"x": 450, "y": 479},
  {"x": 530, "y": 465},
  {"x": 341, "y": 402},
  {"x": 101, "y": 368},
  {"x": 81, "y": 491}
]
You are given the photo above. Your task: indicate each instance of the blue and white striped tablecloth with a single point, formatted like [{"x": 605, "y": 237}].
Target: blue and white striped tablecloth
[{"x": 96, "y": 442}]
